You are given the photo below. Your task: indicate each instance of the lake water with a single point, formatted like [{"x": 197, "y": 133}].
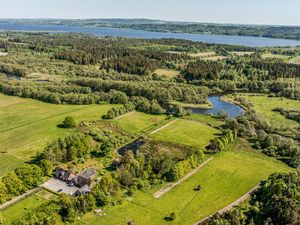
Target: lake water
[
  {"x": 220, "y": 105},
  {"x": 130, "y": 33}
]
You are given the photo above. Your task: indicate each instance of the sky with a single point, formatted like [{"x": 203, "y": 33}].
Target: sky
[{"x": 281, "y": 12}]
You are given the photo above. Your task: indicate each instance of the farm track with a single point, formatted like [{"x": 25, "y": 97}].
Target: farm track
[
  {"x": 164, "y": 126},
  {"x": 231, "y": 205},
  {"x": 169, "y": 187},
  {"x": 126, "y": 114}
]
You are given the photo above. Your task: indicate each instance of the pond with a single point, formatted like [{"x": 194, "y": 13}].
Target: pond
[
  {"x": 130, "y": 33},
  {"x": 219, "y": 105}
]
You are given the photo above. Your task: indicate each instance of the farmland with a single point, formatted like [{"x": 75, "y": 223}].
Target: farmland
[
  {"x": 28, "y": 125},
  {"x": 224, "y": 179},
  {"x": 187, "y": 132},
  {"x": 137, "y": 122}
]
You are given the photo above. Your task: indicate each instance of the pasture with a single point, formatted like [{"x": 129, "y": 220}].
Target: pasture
[
  {"x": 264, "y": 105},
  {"x": 186, "y": 132},
  {"x": 137, "y": 122},
  {"x": 224, "y": 179},
  {"x": 28, "y": 125}
]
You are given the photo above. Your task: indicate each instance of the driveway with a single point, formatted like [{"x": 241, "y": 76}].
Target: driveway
[{"x": 55, "y": 185}]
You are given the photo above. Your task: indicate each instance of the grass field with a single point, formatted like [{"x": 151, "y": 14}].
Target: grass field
[
  {"x": 206, "y": 119},
  {"x": 27, "y": 125},
  {"x": 167, "y": 73},
  {"x": 224, "y": 179},
  {"x": 265, "y": 105},
  {"x": 137, "y": 122},
  {"x": 24, "y": 206},
  {"x": 275, "y": 56},
  {"x": 191, "y": 105},
  {"x": 186, "y": 132},
  {"x": 295, "y": 60},
  {"x": 202, "y": 54}
]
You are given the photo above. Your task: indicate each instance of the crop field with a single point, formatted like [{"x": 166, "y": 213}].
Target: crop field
[
  {"x": 187, "y": 132},
  {"x": 24, "y": 206},
  {"x": 265, "y": 105},
  {"x": 137, "y": 122},
  {"x": 28, "y": 125},
  {"x": 224, "y": 179},
  {"x": 167, "y": 73}
]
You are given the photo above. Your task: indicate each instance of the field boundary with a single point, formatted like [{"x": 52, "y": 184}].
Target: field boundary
[
  {"x": 231, "y": 205},
  {"x": 164, "y": 126},
  {"x": 126, "y": 114},
  {"x": 169, "y": 187},
  {"x": 19, "y": 198}
]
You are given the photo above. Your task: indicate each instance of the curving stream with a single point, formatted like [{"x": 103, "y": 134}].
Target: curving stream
[{"x": 219, "y": 105}]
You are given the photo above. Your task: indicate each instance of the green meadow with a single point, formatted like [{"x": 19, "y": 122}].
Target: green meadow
[
  {"x": 137, "y": 122},
  {"x": 187, "y": 132},
  {"x": 28, "y": 125}
]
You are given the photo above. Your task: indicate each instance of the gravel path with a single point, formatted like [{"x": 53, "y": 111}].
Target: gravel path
[
  {"x": 18, "y": 198},
  {"x": 126, "y": 114},
  {"x": 233, "y": 204},
  {"x": 164, "y": 126},
  {"x": 168, "y": 188}
]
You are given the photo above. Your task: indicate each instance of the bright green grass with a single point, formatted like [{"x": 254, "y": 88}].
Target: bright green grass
[
  {"x": 206, "y": 119},
  {"x": 265, "y": 105},
  {"x": 137, "y": 122},
  {"x": 191, "y": 105},
  {"x": 8, "y": 163},
  {"x": 187, "y": 132},
  {"x": 224, "y": 179},
  {"x": 21, "y": 208},
  {"x": 28, "y": 125}
]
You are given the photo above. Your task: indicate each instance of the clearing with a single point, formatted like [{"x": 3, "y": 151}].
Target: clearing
[
  {"x": 264, "y": 105},
  {"x": 167, "y": 73},
  {"x": 187, "y": 132},
  {"x": 224, "y": 179}
]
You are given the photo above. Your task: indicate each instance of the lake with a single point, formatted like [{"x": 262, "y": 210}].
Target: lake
[
  {"x": 130, "y": 33},
  {"x": 219, "y": 105}
]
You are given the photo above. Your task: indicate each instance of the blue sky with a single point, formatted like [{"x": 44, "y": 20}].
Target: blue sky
[{"x": 221, "y": 11}]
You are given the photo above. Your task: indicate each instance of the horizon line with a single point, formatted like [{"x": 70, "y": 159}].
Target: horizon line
[{"x": 153, "y": 19}]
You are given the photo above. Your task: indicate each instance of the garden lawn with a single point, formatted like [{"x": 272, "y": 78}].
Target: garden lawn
[
  {"x": 187, "y": 132},
  {"x": 137, "y": 122},
  {"x": 224, "y": 179}
]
